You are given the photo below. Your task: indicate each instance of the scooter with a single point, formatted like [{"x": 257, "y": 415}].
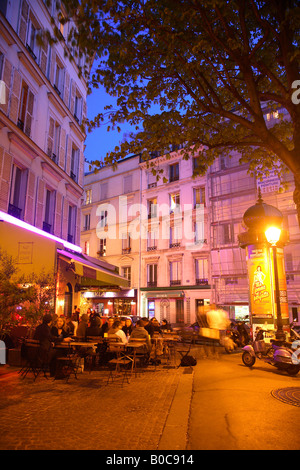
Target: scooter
[
  {"x": 282, "y": 357},
  {"x": 236, "y": 337}
]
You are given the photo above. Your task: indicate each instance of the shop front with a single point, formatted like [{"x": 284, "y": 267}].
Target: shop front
[
  {"x": 118, "y": 302},
  {"x": 36, "y": 252}
]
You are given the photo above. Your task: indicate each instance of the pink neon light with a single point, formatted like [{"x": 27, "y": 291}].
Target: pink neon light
[{"x": 12, "y": 220}]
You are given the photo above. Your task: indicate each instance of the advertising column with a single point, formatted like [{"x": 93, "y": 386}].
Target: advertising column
[{"x": 261, "y": 292}]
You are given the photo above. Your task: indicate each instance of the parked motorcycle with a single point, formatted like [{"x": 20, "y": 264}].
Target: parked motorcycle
[
  {"x": 236, "y": 337},
  {"x": 282, "y": 357}
]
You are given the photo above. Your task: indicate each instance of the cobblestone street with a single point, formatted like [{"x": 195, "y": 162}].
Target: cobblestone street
[{"x": 86, "y": 413}]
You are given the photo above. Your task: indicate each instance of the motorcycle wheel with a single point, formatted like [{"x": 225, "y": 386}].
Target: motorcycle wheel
[
  {"x": 293, "y": 370},
  {"x": 248, "y": 359}
]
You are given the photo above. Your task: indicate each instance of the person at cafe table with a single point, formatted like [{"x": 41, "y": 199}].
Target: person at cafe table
[
  {"x": 59, "y": 328},
  {"x": 117, "y": 330},
  {"x": 48, "y": 341}
]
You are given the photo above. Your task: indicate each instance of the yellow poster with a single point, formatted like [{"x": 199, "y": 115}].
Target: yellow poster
[
  {"x": 260, "y": 282},
  {"x": 282, "y": 284}
]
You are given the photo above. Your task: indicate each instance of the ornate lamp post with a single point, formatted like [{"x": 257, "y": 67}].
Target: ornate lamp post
[
  {"x": 273, "y": 236},
  {"x": 260, "y": 219}
]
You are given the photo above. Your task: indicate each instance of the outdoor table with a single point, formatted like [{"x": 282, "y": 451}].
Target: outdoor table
[
  {"x": 164, "y": 339},
  {"x": 135, "y": 345}
]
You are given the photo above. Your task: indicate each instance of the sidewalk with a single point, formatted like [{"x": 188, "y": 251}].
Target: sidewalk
[{"x": 149, "y": 413}]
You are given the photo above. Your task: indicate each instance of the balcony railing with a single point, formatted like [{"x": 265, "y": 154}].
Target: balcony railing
[
  {"x": 176, "y": 282},
  {"x": 151, "y": 248},
  {"x": 152, "y": 284},
  {"x": 175, "y": 245},
  {"x": 15, "y": 211},
  {"x": 47, "y": 227},
  {"x": 202, "y": 282}
]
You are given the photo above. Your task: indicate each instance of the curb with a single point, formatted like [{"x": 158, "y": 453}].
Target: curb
[{"x": 174, "y": 436}]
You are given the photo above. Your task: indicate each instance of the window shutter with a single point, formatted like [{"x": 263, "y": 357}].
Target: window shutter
[
  {"x": 30, "y": 209},
  {"x": 128, "y": 184},
  {"x": 23, "y": 21},
  {"x": 29, "y": 114},
  {"x": 57, "y": 220},
  {"x": 5, "y": 171},
  {"x": 50, "y": 137},
  {"x": 62, "y": 149},
  {"x": 40, "y": 204}
]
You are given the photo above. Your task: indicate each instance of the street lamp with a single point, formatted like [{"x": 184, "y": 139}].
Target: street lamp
[
  {"x": 264, "y": 223},
  {"x": 273, "y": 236}
]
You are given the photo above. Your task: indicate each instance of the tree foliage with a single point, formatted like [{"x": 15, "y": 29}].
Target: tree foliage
[
  {"x": 29, "y": 297},
  {"x": 201, "y": 74}
]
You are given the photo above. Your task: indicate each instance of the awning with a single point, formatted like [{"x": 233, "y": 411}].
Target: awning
[{"x": 93, "y": 274}]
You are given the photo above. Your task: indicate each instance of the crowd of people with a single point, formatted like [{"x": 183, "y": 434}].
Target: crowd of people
[{"x": 60, "y": 329}]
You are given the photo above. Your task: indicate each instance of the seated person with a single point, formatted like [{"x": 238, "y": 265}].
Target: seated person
[
  {"x": 128, "y": 327},
  {"x": 70, "y": 327},
  {"x": 83, "y": 324},
  {"x": 107, "y": 325},
  {"x": 47, "y": 342},
  {"x": 139, "y": 332},
  {"x": 155, "y": 324},
  {"x": 165, "y": 326},
  {"x": 59, "y": 328},
  {"x": 148, "y": 326},
  {"x": 117, "y": 330},
  {"x": 94, "y": 328}
]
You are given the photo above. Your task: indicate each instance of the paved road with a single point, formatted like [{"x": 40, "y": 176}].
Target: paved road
[
  {"x": 232, "y": 407},
  {"x": 220, "y": 405}
]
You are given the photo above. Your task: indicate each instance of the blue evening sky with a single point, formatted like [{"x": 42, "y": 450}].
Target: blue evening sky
[{"x": 100, "y": 141}]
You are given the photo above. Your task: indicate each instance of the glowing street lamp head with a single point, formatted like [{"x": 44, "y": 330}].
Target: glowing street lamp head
[{"x": 273, "y": 234}]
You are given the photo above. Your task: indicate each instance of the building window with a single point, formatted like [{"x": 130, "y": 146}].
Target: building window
[
  {"x": 87, "y": 248},
  {"x": 199, "y": 197},
  {"x": 18, "y": 190},
  {"x": 103, "y": 219},
  {"x": 152, "y": 208},
  {"x": 152, "y": 275},
  {"x": 88, "y": 196},
  {"x": 74, "y": 163},
  {"x": 49, "y": 211},
  {"x": 174, "y": 172},
  {"x": 56, "y": 143},
  {"x": 152, "y": 238},
  {"x": 151, "y": 308},
  {"x": 199, "y": 233},
  {"x": 102, "y": 247},
  {"x": 231, "y": 281},
  {"x": 31, "y": 42},
  {"x": 175, "y": 273},
  {"x": 87, "y": 222},
  {"x": 59, "y": 78},
  {"x": 71, "y": 224},
  {"x": 23, "y": 105},
  {"x": 127, "y": 272},
  {"x": 126, "y": 243},
  {"x": 175, "y": 236},
  {"x": 201, "y": 271},
  {"x": 78, "y": 109},
  {"x": 228, "y": 235},
  {"x": 174, "y": 203}
]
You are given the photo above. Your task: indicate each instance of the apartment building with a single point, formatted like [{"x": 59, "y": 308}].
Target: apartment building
[
  {"x": 42, "y": 112},
  {"x": 184, "y": 250},
  {"x": 110, "y": 231}
]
